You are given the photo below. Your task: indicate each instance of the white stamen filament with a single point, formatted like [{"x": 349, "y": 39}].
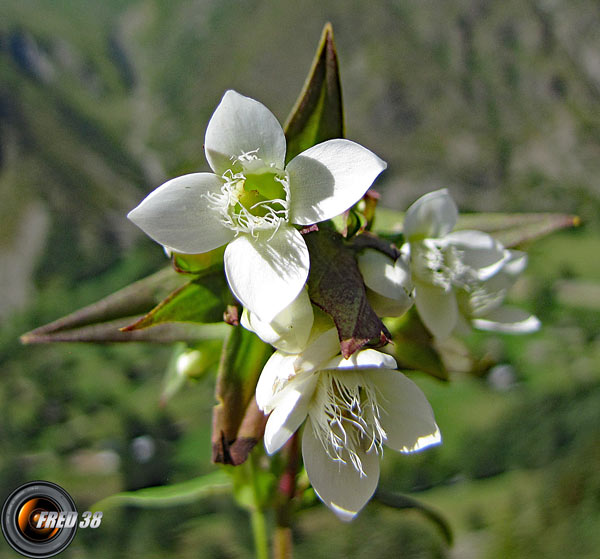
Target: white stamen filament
[
  {"x": 346, "y": 417},
  {"x": 237, "y": 217}
]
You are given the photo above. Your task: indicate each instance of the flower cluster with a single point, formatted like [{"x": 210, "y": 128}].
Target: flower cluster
[{"x": 257, "y": 205}]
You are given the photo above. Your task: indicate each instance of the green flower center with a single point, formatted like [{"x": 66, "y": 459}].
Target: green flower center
[{"x": 253, "y": 198}]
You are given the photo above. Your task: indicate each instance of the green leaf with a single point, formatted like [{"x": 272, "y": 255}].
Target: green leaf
[
  {"x": 336, "y": 286},
  {"x": 510, "y": 229},
  {"x": 529, "y": 227},
  {"x": 318, "y": 113},
  {"x": 236, "y": 415},
  {"x": 201, "y": 300},
  {"x": 110, "y": 332},
  {"x": 215, "y": 483},
  {"x": 397, "y": 501},
  {"x": 100, "y": 320}
]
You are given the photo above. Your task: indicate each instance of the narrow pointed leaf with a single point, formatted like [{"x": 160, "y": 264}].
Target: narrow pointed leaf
[
  {"x": 397, "y": 501},
  {"x": 540, "y": 226},
  {"x": 203, "y": 300},
  {"x": 336, "y": 286},
  {"x": 242, "y": 360},
  {"x": 138, "y": 297},
  {"x": 510, "y": 229},
  {"x": 318, "y": 114},
  {"x": 110, "y": 332},
  {"x": 215, "y": 483}
]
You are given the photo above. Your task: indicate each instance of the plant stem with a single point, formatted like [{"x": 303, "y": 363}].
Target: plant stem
[
  {"x": 259, "y": 531},
  {"x": 282, "y": 543},
  {"x": 257, "y": 514},
  {"x": 282, "y": 539}
]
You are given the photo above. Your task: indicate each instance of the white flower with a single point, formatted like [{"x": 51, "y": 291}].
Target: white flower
[
  {"x": 352, "y": 408},
  {"x": 252, "y": 199},
  {"x": 480, "y": 303},
  {"x": 442, "y": 261}
]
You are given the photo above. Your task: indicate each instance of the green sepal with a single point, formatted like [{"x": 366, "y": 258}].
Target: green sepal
[
  {"x": 198, "y": 263},
  {"x": 191, "y": 491},
  {"x": 350, "y": 223},
  {"x": 318, "y": 113}
]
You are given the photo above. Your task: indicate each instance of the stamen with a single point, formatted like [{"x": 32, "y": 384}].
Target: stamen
[
  {"x": 245, "y": 157},
  {"x": 346, "y": 417},
  {"x": 235, "y": 215},
  {"x": 441, "y": 265}
]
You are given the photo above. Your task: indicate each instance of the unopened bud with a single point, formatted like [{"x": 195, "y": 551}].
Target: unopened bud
[{"x": 193, "y": 363}]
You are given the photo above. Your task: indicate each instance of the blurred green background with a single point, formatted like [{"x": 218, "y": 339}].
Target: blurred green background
[{"x": 101, "y": 101}]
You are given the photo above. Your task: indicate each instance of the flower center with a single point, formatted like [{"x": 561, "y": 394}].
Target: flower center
[
  {"x": 438, "y": 264},
  {"x": 345, "y": 416},
  {"x": 254, "y": 196}
]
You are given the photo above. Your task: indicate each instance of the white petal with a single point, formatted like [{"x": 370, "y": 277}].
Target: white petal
[
  {"x": 389, "y": 284},
  {"x": 431, "y": 216},
  {"x": 267, "y": 273},
  {"x": 365, "y": 359},
  {"x": 407, "y": 417},
  {"x": 321, "y": 348},
  {"x": 516, "y": 263},
  {"x": 496, "y": 287},
  {"x": 383, "y": 275},
  {"x": 327, "y": 179},
  {"x": 288, "y": 415},
  {"x": 463, "y": 326},
  {"x": 383, "y": 306},
  {"x": 437, "y": 308},
  {"x": 338, "y": 484},
  {"x": 240, "y": 125},
  {"x": 508, "y": 320},
  {"x": 479, "y": 251},
  {"x": 276, "y": 373},
  {"x": 177, "y": 215},
  {"x": 289, "y": 330}
]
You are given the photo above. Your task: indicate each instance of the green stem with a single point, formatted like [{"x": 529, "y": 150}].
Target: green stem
[
  {"x": 282, "y": 542},
  {"x": 257, "y": 515},
  {"x": 282, "y": 539},
  {"x": 259, "y": 531}
]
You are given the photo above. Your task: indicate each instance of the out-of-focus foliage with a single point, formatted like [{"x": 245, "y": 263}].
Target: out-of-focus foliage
[{"x": 102, "y": 101}]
